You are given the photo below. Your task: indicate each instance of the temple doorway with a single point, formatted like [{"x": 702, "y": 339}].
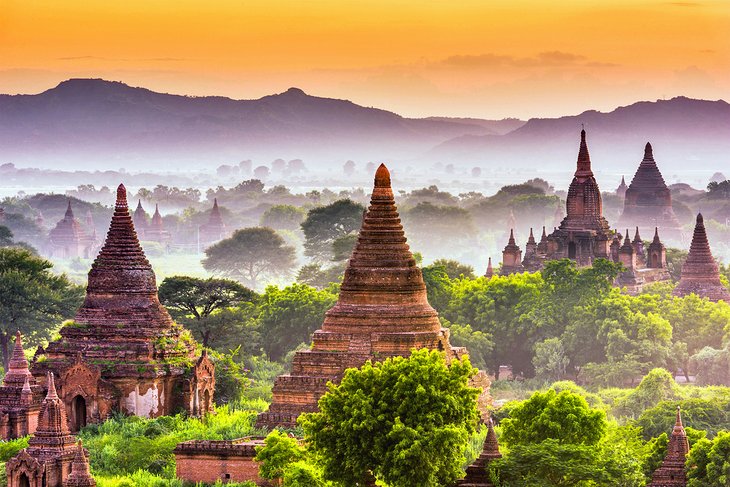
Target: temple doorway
[
  {"x": 571, "y": 250},
  {"x": 24, "y": 481},
  {"x": 78, "y": 410},
  {"x": 654, "y": 260},
  {"x": 206, "y": 402}
]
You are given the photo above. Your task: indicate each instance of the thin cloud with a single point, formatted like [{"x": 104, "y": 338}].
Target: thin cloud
[
  {"x": 542, "y": 59},
  {"x": 684, "y": 4},
  {"x": 100, "y": 58}
]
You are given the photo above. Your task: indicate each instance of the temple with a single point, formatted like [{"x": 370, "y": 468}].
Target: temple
[
  {"x": 20, "y": 397},
  {"x": 214, "y": 230},
  {"x": 648, "y": 200},
  {"x": 123, "y": 352},
  {"x": 671, "y": 473},
  {"x": 490, "y": 269},
  {"x": 382, "y": 311},
  {"x": 476, "y": 473},
  {"x": 140, "y": 220},
  {"x": 68, "y": 240},
  {"x": 621, "y": 190},
  {"x": 700, "y": 272},
  {"x": 48, "y": 460},
  {"x": 155, "y": 231},
  {"x": 584, "y": 235}
]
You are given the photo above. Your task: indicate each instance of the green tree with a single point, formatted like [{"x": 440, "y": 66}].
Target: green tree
[
  {"x": 326, "y": 224},
  {"x": 701, "y": 414},
  {"x": 709, "y": 462},
  {"x": 480, "y": 344},
  {"x": 564, "y": 417},
  {"x": 404, "y": 421},
  {"x": 277, "y": 454},
  {"x": 438, "y": 286},
  {"x": 194, "y": 301},
  {"x": 454, "y": 269},
  {"x": 320, "y": 277},
  {"x": 550, "y": 359},
  {"x": 6, "y": 237},
  {"x": 250, "y": 254},
  {"x": 289, "y": 316},
  {"x": 32, "y": 298},
  {"x": 283, "y": 217},
  {"x": 343, "y": 246},
  {"x": 658, "y": 385}
]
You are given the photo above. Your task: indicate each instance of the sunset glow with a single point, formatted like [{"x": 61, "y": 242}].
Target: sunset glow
[{"x": 470, "y": 58}]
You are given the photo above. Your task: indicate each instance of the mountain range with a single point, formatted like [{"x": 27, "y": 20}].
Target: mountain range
[{"x": 98, "y": 124}]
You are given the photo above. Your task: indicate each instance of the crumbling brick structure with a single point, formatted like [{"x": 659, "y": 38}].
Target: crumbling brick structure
[
  {"x": 208, "y": 461},
  {"x": 20, "y": 397}
]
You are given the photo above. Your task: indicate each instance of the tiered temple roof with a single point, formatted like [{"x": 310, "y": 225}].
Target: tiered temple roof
[
  {"x": 533, "y": 261},
  {"x": 476, "y": 473},
  {"x": 68, "y": 239},
  {"x": 155, "y": 231},
  {"x": 20, "y": 397},
  {"x": 140, "y": 219},
  {"x": 490, "y": 269},
  {"x": 80, "y": 473},
  {"x": 621, "y": 190},
  {"x": 700, "y": 272},
  {"x": 382, "y": 311},
  {"x": 648, "y": 201},
  {"x": 671, "y": 473},
  {"x": 123, "y": 351},
  {"x": 215, "y": 228}
]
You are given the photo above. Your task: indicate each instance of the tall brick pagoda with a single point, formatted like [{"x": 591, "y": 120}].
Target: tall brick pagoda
[
  {"x": 511, "y": 257},
  {"x": 648, "y": 201},
  {"x": 382, "y": 312},
  {"x": 47, "y": 462},
  {"x": 671, "y": 473},
  {"x": 584, "y": 234},
  {"x": 476, "y": 473},
  {"x": 68, "y": 240},
  {"x": 123, "y": 352},
  {"x": 20, "y": 397},
  {"x": 700, "y": 272},
  {"x": 215, "y": 229}
]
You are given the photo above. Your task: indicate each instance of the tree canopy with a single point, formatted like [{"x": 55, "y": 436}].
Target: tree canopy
[{"x": 325, "y": 224}]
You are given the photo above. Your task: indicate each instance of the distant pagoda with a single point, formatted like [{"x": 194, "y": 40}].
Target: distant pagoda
[
  {"x": 68, "y": 240},
  {"x": 648, "y": 201},
  {"x": 215, "y": 229},
  {"x": 382, "y": 311},
  {"x": 700, "y": 272},
  {"x": 671, "y": 473},
  {"x": 20, "y": 397},
  {"x": 140, "y": 220},
  {"x": 511, "y": 257},
  {"x": 123, "y": 352},
  {"x": 155, "y": 231},
  {"x": 621, "y": 190}
]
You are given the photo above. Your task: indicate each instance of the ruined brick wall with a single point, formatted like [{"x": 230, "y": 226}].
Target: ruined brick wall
[{"x": 209, "y": 461}]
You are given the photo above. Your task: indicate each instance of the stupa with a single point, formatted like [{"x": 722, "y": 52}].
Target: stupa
[
  {"x": 648, "y": 201},
  {"x": 700, "y": 272},
  {"x": 68, "y": 240},
  {"x": 490, "y": 269},
  {"x": 621, "y": 190},
  {"x": 20, "y": 397},
  {"x": 155, "y": 231},
  {"x": 140, "y": 220},
  {"x": 47, "y": 462},
  {"x": 476, "y": 473},
  {"x": 123, "y": 352},
  {"x": 671, "y": 473},
  {"x": 382, "y": 311},
  {"x": 80, "y": 473},
  {"x": 511, "y": 257},
  {"x": 214, "y": 230},
  {"x": 532, "y": 261}
]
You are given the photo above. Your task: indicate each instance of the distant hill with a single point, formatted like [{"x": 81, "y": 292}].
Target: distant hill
[
  {"x": 687, "y": 135},
  {"x": 96, "y": 123}
]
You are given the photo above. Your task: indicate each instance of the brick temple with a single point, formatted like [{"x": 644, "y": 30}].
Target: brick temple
[
  {"x": 700, "y": 272},
  {"x": 214, "y": 229},
  {"x": 208, "y": 461},
  {"x": 20, "y": 397},
  {"x": 68, "y": 239},
  {"x": 140, "y": 220},
  {"x": 476, "y": 473},
  {"x": 671, "y": 473},
  {"x": 123, "y": 352},
  {"x": 585, "y": 235},
  {"x": 648, "y": 200},
  {"x": 52, "y": 457},
  {"x": 155, "y": 231},
  {"x": 382, "y": 311}
]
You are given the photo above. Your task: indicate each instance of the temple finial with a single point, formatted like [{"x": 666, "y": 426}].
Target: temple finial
[
  {"x": 52, "y": 394},
  {"x": 382, "y": 177},
  {"x": 121, "y": 197},
  {"x": 648, "y": 152}
]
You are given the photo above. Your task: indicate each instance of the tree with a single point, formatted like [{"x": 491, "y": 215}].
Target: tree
[
  {"x": 658, "y": 385},
  {"x": 289, "y": 316},
  {"x": 564, "y": 417},
  {"x": 316, "y": 276},
  {"x": 550, "y": 360},
  {"x": 32, "y": 298},
  {"x": 326, "y": 224},
  {"x": 454, "y": 269},
  {"x": 193, "y": 301},
  {"x": 6, "y": 237},
  {"x": 278, "y": 452},
  {"x": 709, "y": 462},
  {"x": 438, "y": 285},
  {"x": 404, "y": 422},
  {"x": 250, "y": 254},
  {"x": 283, "y": 217},
  {"x": 480, "y": 344}
]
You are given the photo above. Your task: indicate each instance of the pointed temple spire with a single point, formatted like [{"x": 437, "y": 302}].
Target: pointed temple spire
[
  {"x": 648, "y": 200},
  {"x": 18, "y": 371},
  {"x": 69, "y": 211},
  {"x": 53, "y": 432},
  {"x": 584, "y": 158},
  {"x": 215, "y": 214},
  {"x": 122, "y": 285},
  {"x": 637, "y": 237},
  {"x": 542, "y": 246},
  {"x": 490, "y": 269},
  {"x": 80, "y": 475},
  {"x": 671, "y": 473},
  {"x": 621, "y": 190},
  {"x": 511, "y": 256},
  {"x": 476, "y": 473},
  {"x": 382, "y": 311},
  {"x": 700, "y": 272},
  {"x": 156, "y": 218}
]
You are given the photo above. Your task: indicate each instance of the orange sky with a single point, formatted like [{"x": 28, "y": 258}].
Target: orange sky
[{"x": 464, "y": 58}]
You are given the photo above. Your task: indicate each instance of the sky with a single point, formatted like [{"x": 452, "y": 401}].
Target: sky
[{"x": 474, "y": 58}]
